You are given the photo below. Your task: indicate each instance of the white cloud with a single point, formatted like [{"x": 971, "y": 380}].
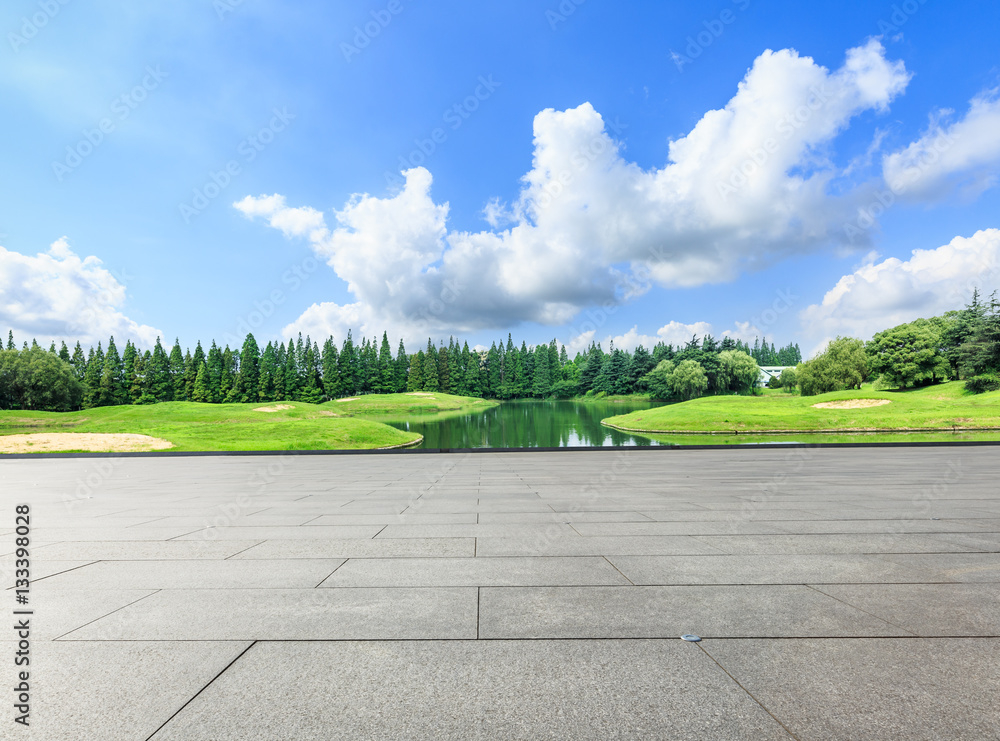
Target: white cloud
[
  {"x": 747, "y": 186},
  {"x": 881, "y": 295},
  {"x": 963, "y": 156},
  {"x": 56, "y": 295},
  {"x": 673, "y": 333}
]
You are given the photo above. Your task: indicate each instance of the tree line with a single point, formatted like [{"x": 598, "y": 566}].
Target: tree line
[
  {"x": 958, "y": 345},
  {"x": 302, "y": 370}
]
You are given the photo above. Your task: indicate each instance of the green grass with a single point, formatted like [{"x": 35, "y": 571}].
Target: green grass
[
  {"x": 405, "y": 406},
  {"x": 218, "y": 427},
  {"x": 945, "y": 406}
]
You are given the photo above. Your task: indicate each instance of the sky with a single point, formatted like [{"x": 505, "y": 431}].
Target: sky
[{"x": 577, "y": 169}]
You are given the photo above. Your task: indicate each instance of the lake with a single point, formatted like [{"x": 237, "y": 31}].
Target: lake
[{"x": 529, "y": 424}]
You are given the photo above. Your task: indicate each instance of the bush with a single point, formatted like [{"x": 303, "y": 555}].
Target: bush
[{"x": 982, "y": 383}]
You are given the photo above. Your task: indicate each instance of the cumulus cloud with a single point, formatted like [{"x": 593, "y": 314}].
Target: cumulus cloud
[
  {"x": 56, "y": 295},
  {"x": 747, "y": 186},
  {"x": 880, "y": 295},
  {"x": 673, "y": 333},
  {"x": 962, "y": 156}
]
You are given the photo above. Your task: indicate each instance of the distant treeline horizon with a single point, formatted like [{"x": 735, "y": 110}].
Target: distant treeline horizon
[{"x": 304, "y": 370}]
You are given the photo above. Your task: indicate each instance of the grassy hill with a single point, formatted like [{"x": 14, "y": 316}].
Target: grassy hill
[{"x": 945, "y": 406}]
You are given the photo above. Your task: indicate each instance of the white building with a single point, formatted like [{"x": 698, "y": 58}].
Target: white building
[{"x": 767, "y": 372}]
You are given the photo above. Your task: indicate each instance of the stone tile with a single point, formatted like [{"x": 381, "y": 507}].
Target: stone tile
[
  {"x": 930, "y": 610},
  {"x": 112, "y": 550},
  {"x": 474, "y": 531},
  {"x": 291, "y": 614},
  {"x": 38, "y": 569},
  {"x": 558, "y": 544},
  {"x": 58, "y": 611},
  {"x": 664, "y": 612},
  {"x": 797, "y": 569},
  {"x": 954, "y": 567},
  {"x": 356, "y": 548},
  {"x": 474, "y": 690},
  {"x": 860, "y": 543},
  {"x": 889, "y": 527},
  {"x": 286, "y": 533},
  {"x": 474, "y": 572},
  {"x": 116, "y": 691},
  {"x": 725, "y": 527},
  {"x": 987, "y": 542},
  {"x": 898, "y": 688},
  {"x": 406, "y": 518},
  {"x": 175, "y": 574},
  {"x": 510, "y": 518}
]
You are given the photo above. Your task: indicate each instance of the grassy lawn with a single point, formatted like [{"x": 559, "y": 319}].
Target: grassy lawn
[
  {"x": 404, "y": 406},
  {"x": 945, "y": 406},
  {"x": 217, "y": 427}
]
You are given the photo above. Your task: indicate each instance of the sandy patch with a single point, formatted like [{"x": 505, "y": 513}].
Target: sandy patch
[
  {"x": 53, "y": 442},
  {"x": 852, "y": 404},
  {"x": 420, "y": 393},
  {"x": 325, "y": 413},
  {"x": 275, "y": 408},
  {"x": 350, "y": 398}
]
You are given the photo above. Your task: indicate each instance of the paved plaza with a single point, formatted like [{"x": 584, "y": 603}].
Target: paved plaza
[{"x": 839, "y": 594}]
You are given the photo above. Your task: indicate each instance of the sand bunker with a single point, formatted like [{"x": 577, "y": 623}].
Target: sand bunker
[
  {"x": 852, "y": 404},
  {"x": 275, "y": 408},
  {"x": 54, "y": 442},
  {"x": 419, "y": 393},
  {"x": 351, "y": 398}
]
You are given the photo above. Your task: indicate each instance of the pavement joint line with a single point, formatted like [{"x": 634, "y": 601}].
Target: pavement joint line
[
  {"x": 212, "y": 559},
  {"x": 379, "y": 532},
  {"x": 591, "y": 639},
  {"x": 479, "y": 591},
  {"x": 331, "y": 573},
  {"x": 845, "y": 602},
  {"x": 310, "y": 520},
  {"x": 619, "y": 571},
  {"x": 65, "y": 571},
  {"x": 195, "y": 696},
  {"x": 151, "y": 593},
  {"x": 749, "y": 693},
  {"x": 182, "y": 535}
]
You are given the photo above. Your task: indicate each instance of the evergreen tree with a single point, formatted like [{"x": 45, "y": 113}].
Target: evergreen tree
[
  {"x": 492, "y": 380},
  {"x": 201, "y": 390},
  {"x": 293, "y": 377},
  {"x": 10, "y": 340},
  {"x": 312, "y": 388},
  {"x": 191, "y": 369},
  {"x": 92, "y": 378},
  {"x": 401, "y": 370},
  {"x": 386, "y": 376},
  {"x": 63, "y": 351},
  {"x": 266, "y": 388},
  {"x": 78, "y": 361},
  {"x": 177, "y": 371},
  {"x": 112, "y": 388},
  {"x": 473, "y": 384},
  {"x": 227, "y": 376},
  {"x": 430, "y": 368},
  {"x": 444, "y": 370},
  {"x": 213, "y": 365},
  {"x": 348, "y": 367},
  {"x": 160, "y": 383},
  {"x": 331, "y": 369},
  {"x": 415, "y": 377},
  {"x": 248, "y": 376},
  {"x": 541, "y": 382}
]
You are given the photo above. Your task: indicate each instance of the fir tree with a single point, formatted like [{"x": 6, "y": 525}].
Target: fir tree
[
  {"x": 201, "y": 390},
  {"x": 213, "y": 365},
  {"x": 177, "y": 371},
  {"x": 331, "y": 369},
  {"x": 63, "y": 351},
  {"x": 386, "y": 370},
  {"x": 112, "y": 383},
  {"x": 401, "y": 369},
  {"x": 415, "y": 378}
]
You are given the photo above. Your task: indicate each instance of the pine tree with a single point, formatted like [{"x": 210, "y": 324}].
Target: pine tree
[
  {"x": 312, "y": 389},
  {"x": 248, "y": 376},
  {"x": 386, "y": 375},
  {"x": 430, "y": 367},
  {"x": 213, "y": 365},
  {"x": 78, "y": 361},
  {"x": 191, "y": 370},
  {"x": 541, "y": 385},
  {"x": 112, "y": 383},
  {"x": 10, "y": 340},
  {"x": 201, "y": 390},
  {"x": 415, "y": 378},
  {"x": 348, "y": 367},
  {"x": 160, "y": 385},
  {"x": 401, "y": 370},
  {"x": 63, "y": 352},
  {"x": 227, "y": 376},
  {"x": 92, "y": 378},
  {"x": 266, "y": 388},
  {"x": 177, "y": 371},
  {"x": 293, "y": 379},
  {"x": 331, "y": 369}
]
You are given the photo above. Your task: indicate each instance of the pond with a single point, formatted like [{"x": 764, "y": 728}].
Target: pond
[{"x": 529, "y": 424}]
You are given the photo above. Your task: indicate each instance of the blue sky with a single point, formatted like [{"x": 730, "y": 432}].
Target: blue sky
[{"x": 647, "y": 110}]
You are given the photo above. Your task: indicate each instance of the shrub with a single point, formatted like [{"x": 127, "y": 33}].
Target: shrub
[{"x": 982, "y": 383}]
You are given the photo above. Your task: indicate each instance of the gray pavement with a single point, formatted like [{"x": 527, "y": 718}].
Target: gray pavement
[{"x": 840, "y": 594}]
